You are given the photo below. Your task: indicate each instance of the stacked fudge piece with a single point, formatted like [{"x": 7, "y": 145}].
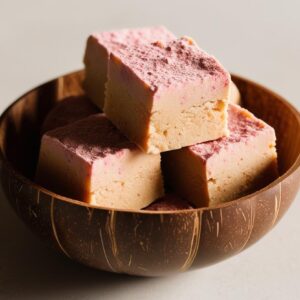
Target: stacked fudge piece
[
  {"x": 175, "y": 92},
  {"x": 68, "y": 111},
  {"x": 207, "y": 174},
  {"x": 101, "y": 45},
  {"x": 168, "y": 103},
  {"x": 92, "y": 161}
]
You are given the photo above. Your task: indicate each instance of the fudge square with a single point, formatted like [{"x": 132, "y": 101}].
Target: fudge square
[
  {"x": 234, "y": 94},
  {"x": 100, "y": 45},
  {"x": 167, "y": 96},
  {"x": 169, "y": 202},
  {"x": 90, "y": 160},
  {"x": 67, "y": 111},
  {"x": 217, "y": 171}
]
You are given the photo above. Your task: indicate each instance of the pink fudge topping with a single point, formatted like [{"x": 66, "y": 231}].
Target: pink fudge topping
[
  {"x": 67, "y": 111},
  {"x": 115, "y": 40},
  {"x": 164, "y": 64},
  {"x": 242, "y": 125},
  {"x": 169, "y": 202},
  {"x": 92, "y": 138}
]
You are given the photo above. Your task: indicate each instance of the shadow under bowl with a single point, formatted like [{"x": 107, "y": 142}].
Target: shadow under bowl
[{"x": 145, "y": 243}]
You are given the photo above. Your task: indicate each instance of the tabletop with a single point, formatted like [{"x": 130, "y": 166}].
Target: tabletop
[{"x": 40, "y": 40}]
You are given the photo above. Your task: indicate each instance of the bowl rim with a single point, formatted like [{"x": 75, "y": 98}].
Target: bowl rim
[{"x": 5, "y": 162}]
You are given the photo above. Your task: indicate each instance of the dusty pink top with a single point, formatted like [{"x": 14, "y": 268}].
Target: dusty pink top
[
  {"x": 115, "y": 40},
  {"x": 169, "y": 202},
  {"x": 67, "y": 111},
  {"x": 180, "y": 61},
  {"x": 242, "y": 125},
  {"x": 92, "y": 138}
]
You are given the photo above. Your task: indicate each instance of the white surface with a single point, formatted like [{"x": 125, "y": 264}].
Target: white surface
[{"x": 40, "y": 40}]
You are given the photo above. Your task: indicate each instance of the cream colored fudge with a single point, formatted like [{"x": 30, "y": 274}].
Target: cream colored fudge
[
  {"x": 167, "y": 96},
  {"x": 234, "y": 94},
  {"x": 214, "y": 172},
  {"x": 98, "y": 49},
  {"x": 67, "y": 111},
  {"x": 90, "y": 160}
]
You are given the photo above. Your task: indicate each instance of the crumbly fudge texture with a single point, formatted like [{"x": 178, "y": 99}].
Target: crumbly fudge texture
[
  {"x": 90, "y": 160},
  {"x": 210, "y": 173},
  {"x": 165, "y": 96},
  {"x": 98, "y": 49}
]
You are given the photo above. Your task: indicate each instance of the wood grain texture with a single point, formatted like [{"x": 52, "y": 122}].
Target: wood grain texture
[{"x": 143, "y": 242}]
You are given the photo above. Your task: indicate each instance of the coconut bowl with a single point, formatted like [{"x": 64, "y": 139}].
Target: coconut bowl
[{"x": 145, "y": 243}]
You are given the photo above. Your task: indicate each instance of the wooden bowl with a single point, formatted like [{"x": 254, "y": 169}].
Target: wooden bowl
[{"x": 143, "y": 242}]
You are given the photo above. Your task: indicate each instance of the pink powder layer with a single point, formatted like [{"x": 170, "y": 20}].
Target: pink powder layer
[
  {"x": 115, "y": 40},
  {"x": 67, "y": 111},
  {"x": 92, "y": 138},
  {"x": 169, "y": 202},
  {"x": 243, "y": 126},
  {"x": 165, "y": 64}
]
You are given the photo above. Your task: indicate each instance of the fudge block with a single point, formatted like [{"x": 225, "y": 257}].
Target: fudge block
[
  {"x": 67, "y": 111},
  {"x": 234, "y": 94},
  {"x": 210, "y": 173},
  {"x": 169, "y": 202},
  {"x": 98, "y": 49},
  {"x": 167, "y": 96},
  {"x": 90, "y": 160}
]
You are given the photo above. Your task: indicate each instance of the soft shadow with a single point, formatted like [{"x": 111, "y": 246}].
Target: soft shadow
[{"x": 30, "y": 270}]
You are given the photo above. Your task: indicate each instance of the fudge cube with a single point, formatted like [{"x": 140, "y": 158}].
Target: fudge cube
[
  {"x": 234, "y": 94},
  {"x": 90, "y": 160},
  {"x": 67, "y": 111},
  {"x": 167, "y": 96},
  {"x": 210, "y": 173},
  {"x": 169, "y": 202},
  {"x": 98, "y": 49}
]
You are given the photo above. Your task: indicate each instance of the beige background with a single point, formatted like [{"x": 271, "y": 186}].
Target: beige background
[{"x": 40, "y": 40}]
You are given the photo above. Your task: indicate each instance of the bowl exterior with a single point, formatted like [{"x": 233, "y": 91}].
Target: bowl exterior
[{"x": 148, "y": 244}]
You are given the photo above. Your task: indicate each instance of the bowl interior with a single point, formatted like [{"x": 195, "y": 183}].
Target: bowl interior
[{"x": 20, "y": 124}]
